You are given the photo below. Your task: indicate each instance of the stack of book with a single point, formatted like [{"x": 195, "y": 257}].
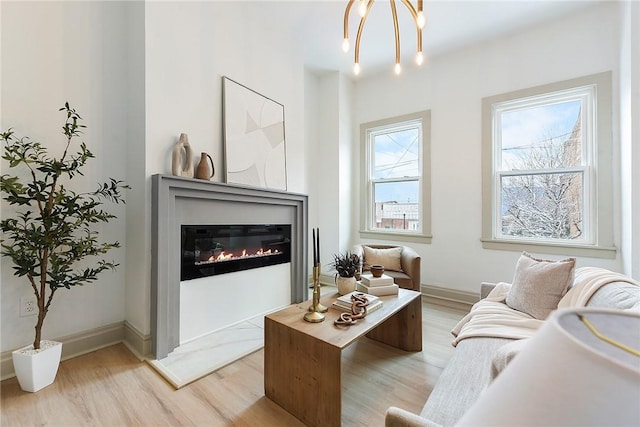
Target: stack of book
[
  {"x": 344, "y": 302},
  {"x": 379, "y": 286}
]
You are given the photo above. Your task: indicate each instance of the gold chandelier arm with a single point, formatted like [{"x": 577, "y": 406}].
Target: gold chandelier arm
[
  {"x": 360, "y": 27},
  {"x": 395, "y": 29},
  {"x": 412, "y": 9},
  {"x": 346, "y": 18},
  {"x": 416, "y": 15},
  {"x": 420, "y": 19},
  {"x": 415, "y": 20}
]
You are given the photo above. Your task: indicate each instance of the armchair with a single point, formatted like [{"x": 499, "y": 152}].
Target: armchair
[{"x": 408, "y": 278}]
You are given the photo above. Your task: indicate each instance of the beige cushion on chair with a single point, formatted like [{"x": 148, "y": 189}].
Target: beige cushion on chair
[
  {"x": 409, "y": 275},
  {"x": 387, "y": 257}
]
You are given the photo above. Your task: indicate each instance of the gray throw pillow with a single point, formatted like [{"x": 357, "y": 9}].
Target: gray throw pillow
[{"x": 539, "y": 284}]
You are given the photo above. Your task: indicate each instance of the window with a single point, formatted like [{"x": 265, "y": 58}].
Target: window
[
  {"x": 546, "y": 151},
  {"x": 397, "y": 178}
]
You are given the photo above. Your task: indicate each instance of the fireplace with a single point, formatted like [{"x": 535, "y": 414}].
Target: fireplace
[
  {"x": 186, "y": 309},
  {"x": 208, "y": 250}
]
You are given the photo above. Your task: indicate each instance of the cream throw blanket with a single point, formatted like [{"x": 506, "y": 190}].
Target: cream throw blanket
[{"x": 492, "y": 317}]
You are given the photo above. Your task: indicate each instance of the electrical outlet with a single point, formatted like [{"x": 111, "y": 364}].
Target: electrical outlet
[{"x": 28, "y": 306}]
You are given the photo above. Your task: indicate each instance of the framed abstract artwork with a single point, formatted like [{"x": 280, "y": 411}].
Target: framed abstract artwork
[{"x": 254, "y": 139}]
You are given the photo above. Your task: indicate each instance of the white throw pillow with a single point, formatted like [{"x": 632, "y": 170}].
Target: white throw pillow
[{"x": 539, "y": 284}]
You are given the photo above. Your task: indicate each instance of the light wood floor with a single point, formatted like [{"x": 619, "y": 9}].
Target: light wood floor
[{"x": 110, "y": 387}]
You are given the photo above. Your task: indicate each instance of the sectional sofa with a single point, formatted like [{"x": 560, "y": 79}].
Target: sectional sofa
[{"x": 473, "y": 364}]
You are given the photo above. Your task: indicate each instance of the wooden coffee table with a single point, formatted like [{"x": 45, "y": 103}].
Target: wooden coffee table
[{"x": 302, "y": 370}]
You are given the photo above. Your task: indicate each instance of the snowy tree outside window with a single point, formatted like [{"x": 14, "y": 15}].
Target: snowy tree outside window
[{"x": 543, "y": 165}]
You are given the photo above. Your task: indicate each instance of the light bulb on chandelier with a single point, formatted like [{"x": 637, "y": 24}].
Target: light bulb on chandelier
[
  {"x": 345, "y": 45},
  {"x": 421, "y": 20},
  {"x": 364, "y": 6}
]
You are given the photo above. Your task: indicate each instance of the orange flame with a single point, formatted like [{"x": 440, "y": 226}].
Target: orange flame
[{"x": 230, "y": 256}]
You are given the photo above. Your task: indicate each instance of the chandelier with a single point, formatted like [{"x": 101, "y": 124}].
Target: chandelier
[{"x": 364, "y": 7}]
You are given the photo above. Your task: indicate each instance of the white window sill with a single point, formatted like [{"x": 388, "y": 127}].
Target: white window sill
[
  {"x": 396, "y": 236},
  {"x": 592, "y": 251}
]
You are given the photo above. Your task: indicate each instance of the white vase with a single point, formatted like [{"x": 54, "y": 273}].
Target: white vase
[
  {"x": 182, "y": 158},
  {"x": 37, "y": 369},
  {"x": 345, "y": 284}
]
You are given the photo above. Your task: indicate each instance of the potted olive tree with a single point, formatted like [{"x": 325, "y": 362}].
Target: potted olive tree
[
  {"x": 346, "y": 265},
  {"x": 49, "y": 232}
]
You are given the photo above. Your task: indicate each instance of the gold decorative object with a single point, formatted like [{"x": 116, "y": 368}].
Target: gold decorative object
[
  {"x": 316, "y": 285},
  {"x": 363, "y": 10},
  {"x": 316, "y": 309},
  {"x": 315, "y": 314}
]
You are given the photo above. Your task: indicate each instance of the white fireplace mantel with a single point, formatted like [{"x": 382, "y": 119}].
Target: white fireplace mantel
[{"x": 177, "y": 201}]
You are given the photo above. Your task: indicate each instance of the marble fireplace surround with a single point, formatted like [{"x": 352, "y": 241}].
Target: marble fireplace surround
[{"x": 176, "y": 200}]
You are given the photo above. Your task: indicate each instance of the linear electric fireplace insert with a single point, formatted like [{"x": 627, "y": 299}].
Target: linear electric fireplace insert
[{"x": 208, "y": 250}]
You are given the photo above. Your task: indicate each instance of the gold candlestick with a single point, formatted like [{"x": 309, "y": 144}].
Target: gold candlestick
[
  {"x": 315, "y": 310},
  {"x": 316, "y": 286}
]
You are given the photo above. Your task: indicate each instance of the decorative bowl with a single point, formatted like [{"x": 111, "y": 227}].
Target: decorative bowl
[{"x": 377, "y": 270}]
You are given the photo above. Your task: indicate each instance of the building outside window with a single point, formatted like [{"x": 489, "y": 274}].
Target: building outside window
[
  {"x": 543, "y": 169},
  {"x": 397, "y": 177}
]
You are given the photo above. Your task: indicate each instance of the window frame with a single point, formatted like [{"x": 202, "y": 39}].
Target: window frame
[
  {"x": 423, "y": 118},
  {"x": 596, "y": 168}
]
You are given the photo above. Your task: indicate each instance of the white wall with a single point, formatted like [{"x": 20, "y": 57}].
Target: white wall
[
  {"x": 630, "y": 137},
  {"x": 54, "y": 52},
  {"x": 138, "y": 242},
  {"x": 313, "y": 129},
  {"x": 332, "y": 186},
  {"x": 346, "y": 159},
  {"x": 189, "y": 47},
  {"x": 141, "y": 74},
  {"x": 452, "y": 87},
  {"x": 326, "y": 183}
]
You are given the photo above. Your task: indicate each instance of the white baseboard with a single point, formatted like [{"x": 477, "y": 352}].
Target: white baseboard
[
  {"x": 327, "y": 279},
  {"x": 85, "y": 342},
  {"x": 137, "y": 342},
  {"x": 437, "y": 294},
  {"x": 444, "y": 295}
]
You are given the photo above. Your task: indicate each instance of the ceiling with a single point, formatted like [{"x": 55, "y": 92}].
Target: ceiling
[{"x": 451, "y": 25}]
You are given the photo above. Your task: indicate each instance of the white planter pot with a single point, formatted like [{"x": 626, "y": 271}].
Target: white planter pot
[
  {"x": 345, "y": 284},
  {"x": 37, "y": 369}
]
